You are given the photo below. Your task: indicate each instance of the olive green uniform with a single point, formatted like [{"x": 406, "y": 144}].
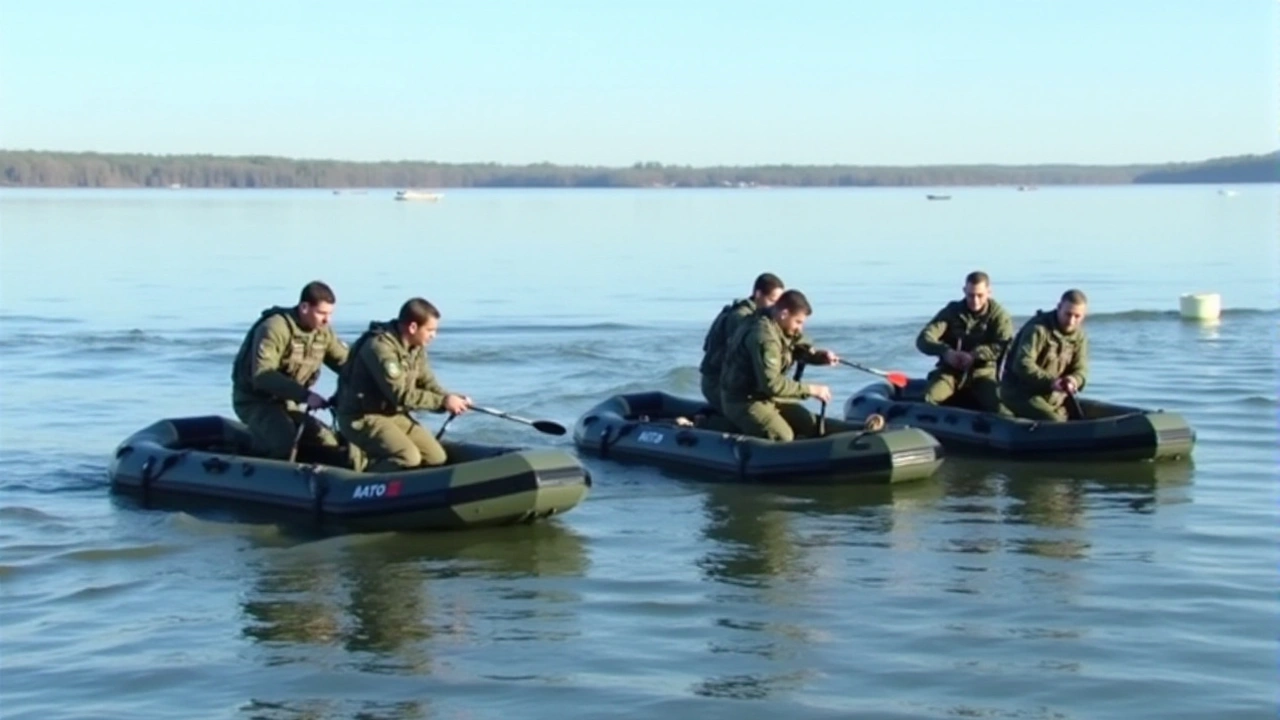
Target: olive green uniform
[
  {"x": 755, "y": 392},
  {"x": 718, "y": 335},
  {"x": 277, "y": 365},
  {"x": 1041, "y": 354},
  {"x": 985, "y": 335},
  {"x": 722, "y": 329},
  {"x": 383, "y": 382}
]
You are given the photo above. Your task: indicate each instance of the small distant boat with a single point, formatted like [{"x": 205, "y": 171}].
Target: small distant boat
[
  {"x": 1226, "y": 192},
  {"x": 938, "y": 197},
  {"x": 417, "y": 195}
]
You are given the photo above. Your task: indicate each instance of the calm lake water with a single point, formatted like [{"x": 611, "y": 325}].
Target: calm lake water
[{"x": 991, "y": 590}]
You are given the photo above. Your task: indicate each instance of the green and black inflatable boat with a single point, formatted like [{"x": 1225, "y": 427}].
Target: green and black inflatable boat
[
  {"x": 641, "y": 428},
  {"x": 206, "y": 460},
  {"x": 1107, "y": 432}
]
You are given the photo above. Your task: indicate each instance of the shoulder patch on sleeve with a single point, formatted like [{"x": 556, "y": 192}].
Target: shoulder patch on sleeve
[{"x": 392, "y": 368}]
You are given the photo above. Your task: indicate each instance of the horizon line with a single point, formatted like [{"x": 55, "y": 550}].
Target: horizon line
[{"x": 654, "y": 163}]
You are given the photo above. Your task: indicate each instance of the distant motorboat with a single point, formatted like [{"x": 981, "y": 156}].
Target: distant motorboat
[
  {"x": 417, "y": 195},
  {"x": 938, "y": 197},
  {"x": 1226, "y": 192}
]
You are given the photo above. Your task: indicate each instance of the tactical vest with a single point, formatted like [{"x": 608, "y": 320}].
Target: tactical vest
[
  {"x": 301, "y": 361},
  {"x": 358, "y": 392},
  {"x": 1055, "y": 356},
  {"x": 739, "y": 372},
  {"x": 969, "y": 331},
  {"x": 717, "y": 339}
]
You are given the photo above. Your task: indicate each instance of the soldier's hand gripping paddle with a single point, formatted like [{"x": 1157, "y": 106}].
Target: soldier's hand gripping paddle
[
  {"x": 896, "y": 379},
  {"x": 542, "y": 426}
]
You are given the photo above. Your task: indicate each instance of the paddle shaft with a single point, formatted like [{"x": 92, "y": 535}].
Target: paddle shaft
[
  {"x": 297, "y": 436},
  {"x": 542, "y": 426},
  {"x": 1075, "y": 405}
]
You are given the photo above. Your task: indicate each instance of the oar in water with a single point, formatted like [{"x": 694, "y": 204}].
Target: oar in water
[
  {"x": 896, "y": 379},
  {"x": 543, "y": 426}
]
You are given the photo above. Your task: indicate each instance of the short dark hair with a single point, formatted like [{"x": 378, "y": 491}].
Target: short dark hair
[
  {"x": 767, "y": 283},
  {"x": 316, "y": 292},
  {"x": 977, "y": 277},
  {"x": 794, "y": 301},
  {"x": 417, "y": 310},
  {"x": 1074, "y": 297}
]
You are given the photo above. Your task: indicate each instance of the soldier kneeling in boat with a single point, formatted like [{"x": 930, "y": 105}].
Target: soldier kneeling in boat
[
  {"x": 1049, "y": 361},
  {"x": 755, "y": 392},
  {"x": 968, "y": 337},
  {"x": 764, "y": 293},
  {"x": 387, "y": 377},
  {"x": 278, "y": 363}
]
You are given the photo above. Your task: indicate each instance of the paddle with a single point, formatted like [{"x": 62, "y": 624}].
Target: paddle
[
  {"x": 543, "y": 426},
  {"x": 1075, "y": 405},
  {"x": 297, "y": 437},
  {"x": 896, "y": 379}
]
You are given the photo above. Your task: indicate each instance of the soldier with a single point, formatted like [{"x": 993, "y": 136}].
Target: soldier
[
  {"x": 387, "y": 377},
  {"x": 968, "y": 337},
  {"x": 277, "y": 365},
  {"x": 764, "y": 293},
  {"x": 755, "y": 392},
  {"x": 1049, "y": 361}
]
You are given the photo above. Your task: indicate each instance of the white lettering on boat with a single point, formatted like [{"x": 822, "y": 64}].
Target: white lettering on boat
[{"x": 376, "y": 490}]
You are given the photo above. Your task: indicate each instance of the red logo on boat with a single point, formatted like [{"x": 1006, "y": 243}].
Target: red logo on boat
[{"x": 393, "y": 488}]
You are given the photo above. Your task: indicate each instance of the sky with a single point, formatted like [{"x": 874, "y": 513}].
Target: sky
[{"x": 614, "y": 82}]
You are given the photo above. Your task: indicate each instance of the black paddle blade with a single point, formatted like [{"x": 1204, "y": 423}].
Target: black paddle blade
[{"x": 548, "y": 427}]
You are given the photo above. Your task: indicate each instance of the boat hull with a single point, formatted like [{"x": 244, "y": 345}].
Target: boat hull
[
  {"x": 205, "y": 461},
  {"x": 638, "y": 428},
  {"x": 1109, "y": 432}
]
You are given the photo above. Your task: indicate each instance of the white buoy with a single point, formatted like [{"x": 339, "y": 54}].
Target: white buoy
[{"x": 1200, "y": 306}]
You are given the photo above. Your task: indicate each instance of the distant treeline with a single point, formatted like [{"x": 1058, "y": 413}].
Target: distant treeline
[{"x": 56, "y": 169}]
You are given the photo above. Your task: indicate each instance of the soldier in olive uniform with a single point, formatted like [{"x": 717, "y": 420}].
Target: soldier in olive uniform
[
  {"x": 764, "y": 293},
  {"x": 755, "y": 392},
  {"x": 278, "y": 363},
  {"x": 968, "y": 337},
  {"x": 388, "y": 376},
  {"x": 1049, "y": 361}
]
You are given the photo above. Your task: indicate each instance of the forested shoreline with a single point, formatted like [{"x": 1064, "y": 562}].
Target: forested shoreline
[{"x": 19, "y": 168}]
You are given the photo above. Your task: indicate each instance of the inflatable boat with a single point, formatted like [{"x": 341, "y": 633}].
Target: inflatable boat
[
  {"x": 1106, "y": 432},
  {"x": 207, "y": 459},
  {"x": 642, "y": 428}
]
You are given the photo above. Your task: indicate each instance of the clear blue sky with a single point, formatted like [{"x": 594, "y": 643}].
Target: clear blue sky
[{"x": 618, "y": 81}]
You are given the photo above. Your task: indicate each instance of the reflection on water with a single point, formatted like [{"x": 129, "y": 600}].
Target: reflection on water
[
  {"x": 769, "y": 548},
  {"x": 755, "y": 541},
  {"x": 1044, "y": 510},
  {"x": 324, "y": 710},
  {"x": 390, "y": 601}
]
